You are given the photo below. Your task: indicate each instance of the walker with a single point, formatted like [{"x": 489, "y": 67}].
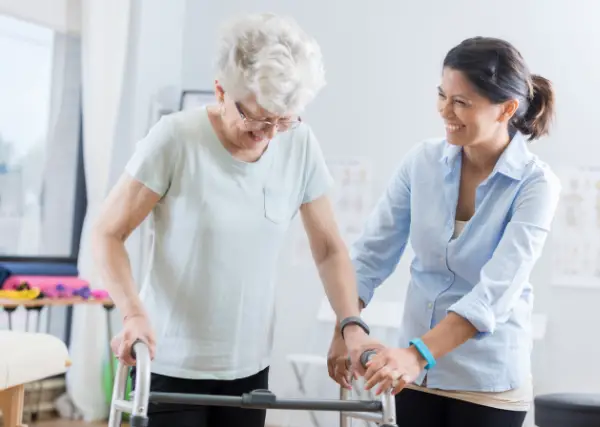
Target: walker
[{"x": 382, "y": 412}]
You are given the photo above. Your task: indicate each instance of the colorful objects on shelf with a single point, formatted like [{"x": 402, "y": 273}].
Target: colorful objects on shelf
[
  {"x": 54, "y": 287},
  {"x": 20, "y": 294}
]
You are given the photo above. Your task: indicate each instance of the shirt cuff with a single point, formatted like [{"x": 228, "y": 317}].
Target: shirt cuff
[
  {"x": 365, "y": 293},
  {"x": 477, "y": 312}
]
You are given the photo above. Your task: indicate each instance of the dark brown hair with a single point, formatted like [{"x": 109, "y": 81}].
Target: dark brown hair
[{"x": 498, "y": 72}]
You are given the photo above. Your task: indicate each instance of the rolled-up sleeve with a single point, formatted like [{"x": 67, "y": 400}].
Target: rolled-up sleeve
[
  {"x": 377, "y": 252},
  {"x": 504, "y": 276}
]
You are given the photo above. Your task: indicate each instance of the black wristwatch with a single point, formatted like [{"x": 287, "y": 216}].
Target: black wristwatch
[{"x": 354, "y": 320}]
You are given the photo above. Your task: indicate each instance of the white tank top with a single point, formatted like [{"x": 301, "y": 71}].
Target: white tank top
[{"x": 518, "y": 399}]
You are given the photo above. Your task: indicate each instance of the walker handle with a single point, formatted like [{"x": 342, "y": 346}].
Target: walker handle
[
  {"x": 364, "y": 358},
  {"x": 135, "y": 343},
  {"x": 138, "y": 406}
]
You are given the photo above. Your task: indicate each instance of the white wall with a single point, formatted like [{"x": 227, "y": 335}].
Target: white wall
[
  {"x": 383, "y": 63},
  {"x": 63, "y": 16}
]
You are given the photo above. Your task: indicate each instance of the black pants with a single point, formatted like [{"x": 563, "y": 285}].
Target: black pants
[
  {"x": 421, "y": 409},
  {"x": 168, "y": 415}
]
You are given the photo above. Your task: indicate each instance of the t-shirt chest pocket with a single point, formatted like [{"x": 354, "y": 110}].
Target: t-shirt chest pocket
[{"x": 278, "y": 202}]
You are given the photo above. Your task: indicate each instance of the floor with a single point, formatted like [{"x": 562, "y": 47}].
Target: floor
[{"x": 64, "y": 423}]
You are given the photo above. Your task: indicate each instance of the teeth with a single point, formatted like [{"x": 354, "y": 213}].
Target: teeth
[
  {"x": 256, "y": 137},
  {"x": 453, "y": 128}
]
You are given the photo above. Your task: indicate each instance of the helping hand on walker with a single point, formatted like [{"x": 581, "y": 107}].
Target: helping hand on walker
[{"x": 382, "y": 412}]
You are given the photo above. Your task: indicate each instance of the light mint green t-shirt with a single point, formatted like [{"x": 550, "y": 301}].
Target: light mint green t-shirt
[{"x": 218, "y": 232}]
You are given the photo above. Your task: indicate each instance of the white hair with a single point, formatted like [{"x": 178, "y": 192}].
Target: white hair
[{"x": 272, "y": 58}]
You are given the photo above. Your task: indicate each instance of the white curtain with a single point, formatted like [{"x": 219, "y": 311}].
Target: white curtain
[{"x": 105, "y": 27}]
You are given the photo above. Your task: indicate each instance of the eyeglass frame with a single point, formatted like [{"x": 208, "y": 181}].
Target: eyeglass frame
[{"x": 265, "y": 123}]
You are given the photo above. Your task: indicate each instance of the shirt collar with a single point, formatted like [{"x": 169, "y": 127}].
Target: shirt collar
[{"x": 511, "y": 163}]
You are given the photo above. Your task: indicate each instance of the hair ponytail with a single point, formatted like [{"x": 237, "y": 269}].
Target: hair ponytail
[{"x": 539, "y": 115}]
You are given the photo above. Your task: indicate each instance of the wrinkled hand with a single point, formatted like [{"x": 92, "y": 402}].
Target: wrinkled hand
[
  {"x": 357, "y": 342},
  {"x": 343, "y": 358},
  {"x": 394, "y": 368},
  {"x": 135, "y": 327}
]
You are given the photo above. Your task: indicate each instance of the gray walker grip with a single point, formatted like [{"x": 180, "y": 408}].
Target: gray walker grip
[
  {"x": 383, "y": 413},
  {"x": 366, "y": 356}
]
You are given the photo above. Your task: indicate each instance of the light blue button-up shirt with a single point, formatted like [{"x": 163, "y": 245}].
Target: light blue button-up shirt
[{"x": 482, "y": 275}]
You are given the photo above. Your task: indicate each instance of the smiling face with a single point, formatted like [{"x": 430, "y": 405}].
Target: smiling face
[
  {"x": 469, "y": 117},
  {"x": 248, "y": 125}
]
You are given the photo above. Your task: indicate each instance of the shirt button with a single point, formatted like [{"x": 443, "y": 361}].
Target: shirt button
[{"x": 429, "y": 305}]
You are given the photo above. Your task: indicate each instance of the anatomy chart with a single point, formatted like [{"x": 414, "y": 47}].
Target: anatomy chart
[
  {"x": 576, "y": 230},
  {"x": 352, "y": 202},
  {"x": 351, "y": 196}
]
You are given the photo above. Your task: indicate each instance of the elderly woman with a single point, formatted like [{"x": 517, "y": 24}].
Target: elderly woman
[
  {"x": 477, "y": 206},
  {"x": 223, "y": 183}
]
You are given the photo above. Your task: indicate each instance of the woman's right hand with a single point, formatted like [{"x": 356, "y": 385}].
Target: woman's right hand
[
  {"x": 135, "y": 327},
  {"x": 337, "y": 362}
]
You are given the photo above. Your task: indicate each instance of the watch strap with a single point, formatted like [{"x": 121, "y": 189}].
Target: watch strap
[
  {"x": 424, "y": 351},
  {"x": 354, "y": 320}
]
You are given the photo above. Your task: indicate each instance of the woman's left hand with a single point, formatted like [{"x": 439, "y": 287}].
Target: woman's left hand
[{"x": 394, "y": 368}]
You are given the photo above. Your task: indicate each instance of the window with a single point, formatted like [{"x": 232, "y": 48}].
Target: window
[{"x": 40, "y": 173}]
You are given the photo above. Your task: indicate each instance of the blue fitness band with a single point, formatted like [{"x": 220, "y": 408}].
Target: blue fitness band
[{"x": 422, "y": 348}]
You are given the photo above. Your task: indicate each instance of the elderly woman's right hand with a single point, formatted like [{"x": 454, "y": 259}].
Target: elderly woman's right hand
[{"x": 135, "y": 327}]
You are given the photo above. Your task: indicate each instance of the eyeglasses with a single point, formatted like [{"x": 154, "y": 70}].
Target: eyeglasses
[{"x": 280, "y": 125}]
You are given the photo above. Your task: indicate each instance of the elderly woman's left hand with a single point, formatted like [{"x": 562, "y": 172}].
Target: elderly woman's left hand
[{"x": 393, "y": 368}]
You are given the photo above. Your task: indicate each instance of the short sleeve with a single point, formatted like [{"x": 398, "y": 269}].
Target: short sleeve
[
  {"x": 154, "y": 157},
  {"x": 318, "y": 179}
]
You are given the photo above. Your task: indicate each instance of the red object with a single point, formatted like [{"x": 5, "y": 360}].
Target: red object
[{"x": 99, "y": 294}]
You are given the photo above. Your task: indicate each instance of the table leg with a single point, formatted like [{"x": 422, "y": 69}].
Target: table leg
[
  {"x": 9, "y": 312},
  {"x": 35, "y": 413},
  {"x": 49, "y": 318},
  {"x": 68, "y": 323},
  {"x": 11, "y": 405},
  {"x": 38, "y": 320},
  {"x": 108, "y": 309}
]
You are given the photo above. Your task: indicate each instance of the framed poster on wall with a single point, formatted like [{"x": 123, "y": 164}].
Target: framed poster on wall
[{"x": 196, "y": 98}]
